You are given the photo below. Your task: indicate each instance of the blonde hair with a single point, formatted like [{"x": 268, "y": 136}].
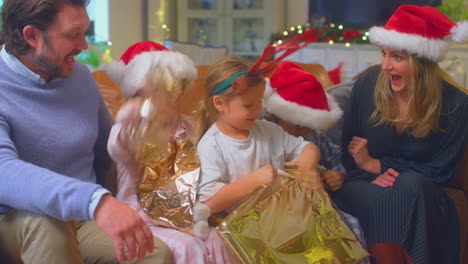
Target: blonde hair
[
  {"x": 424, "y": 96},
  {"x": 225, "y": 68}
]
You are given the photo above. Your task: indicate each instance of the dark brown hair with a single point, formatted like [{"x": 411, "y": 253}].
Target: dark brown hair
[{"x": 17, "y": 14}]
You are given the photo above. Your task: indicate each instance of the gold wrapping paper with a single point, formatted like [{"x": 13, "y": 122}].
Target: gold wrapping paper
[
  {"x": 167, "y": 160},
  {"x": 291, "y": 221},
  {"x": 167, "y": 190}
]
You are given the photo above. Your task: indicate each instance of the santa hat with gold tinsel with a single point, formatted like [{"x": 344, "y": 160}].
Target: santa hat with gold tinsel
[
  {"x": 419, "y": 30},
  {"x": 143, "y": 58},
  {"x": 297, "y": 97}
]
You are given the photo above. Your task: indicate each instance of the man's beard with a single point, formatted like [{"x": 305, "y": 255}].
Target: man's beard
[{"x": 48, "y": 66}]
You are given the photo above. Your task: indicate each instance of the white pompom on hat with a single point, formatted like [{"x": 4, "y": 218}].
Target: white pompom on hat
[
  {"x": 201, "y": 213},
  {"x": 419, "y": 30},
  {"x": 144, "y": 57},
  {"x": 297, "y": 97}
]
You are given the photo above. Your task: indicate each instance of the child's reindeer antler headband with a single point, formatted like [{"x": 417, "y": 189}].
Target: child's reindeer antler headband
[{"x": 288, "y": 47}]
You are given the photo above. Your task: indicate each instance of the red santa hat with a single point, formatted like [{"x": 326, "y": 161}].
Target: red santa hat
[
  {"x": 297, "y": 97},
  {"x": 143, "y": 58},
  {"x": 419, "y": 30}
]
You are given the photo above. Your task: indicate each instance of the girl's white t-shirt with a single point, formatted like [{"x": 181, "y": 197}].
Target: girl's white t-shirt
[{"x": 226, "y": 160}]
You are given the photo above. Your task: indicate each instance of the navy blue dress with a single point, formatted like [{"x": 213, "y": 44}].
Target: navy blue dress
[{"x": 416, "y": 211}]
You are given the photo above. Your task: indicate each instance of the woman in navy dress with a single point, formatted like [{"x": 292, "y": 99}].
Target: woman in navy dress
[{"x": 404, "y": 134}]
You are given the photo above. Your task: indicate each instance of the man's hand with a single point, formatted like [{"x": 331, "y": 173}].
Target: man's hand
[
  {"x": 357, "y": 148},
  {"x": 333, "y": 179},
  {"x": 125, "y": 227},
  {"x": 387, "y": 179}
]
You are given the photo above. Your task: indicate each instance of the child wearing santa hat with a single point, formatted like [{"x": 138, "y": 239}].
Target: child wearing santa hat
[
  {"x": 139, "y": 72},
  {"x": 295, "y": 100}
]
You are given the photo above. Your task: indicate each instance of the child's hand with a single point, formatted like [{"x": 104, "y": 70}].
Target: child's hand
[
  {"x": 129, "y": 116},
  {"x": 130, "y": 111},
  {"x": 302, "y": 165},
  {"x": 307, "y": 161},
  {"x": 265, "y": 175},
  {"x": 333, "y": 179}
]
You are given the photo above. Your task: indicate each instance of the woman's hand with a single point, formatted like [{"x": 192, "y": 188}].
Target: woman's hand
[
  {"x": 333, "y": 179},
  {"x": 357, "y": 148},
  {"x": 387, "y": 179}
]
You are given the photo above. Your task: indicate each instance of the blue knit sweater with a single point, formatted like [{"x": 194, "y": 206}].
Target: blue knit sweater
[{"x": 50, "y": 137}]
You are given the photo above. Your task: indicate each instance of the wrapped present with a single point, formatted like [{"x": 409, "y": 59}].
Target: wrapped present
[{"x": 291, "y": 221}]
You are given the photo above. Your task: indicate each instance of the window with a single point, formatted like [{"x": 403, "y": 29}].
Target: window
[
  {"x": 359, "y": 13},
  {"x": 98, "y": 12},
  {"x": 1, "y": 5}
]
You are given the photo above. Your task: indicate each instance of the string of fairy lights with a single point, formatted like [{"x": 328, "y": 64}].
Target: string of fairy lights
[{"x": 331, "y": 33}]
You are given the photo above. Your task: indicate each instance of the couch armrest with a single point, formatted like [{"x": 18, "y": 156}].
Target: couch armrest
[{"x": 110, "y": 92}]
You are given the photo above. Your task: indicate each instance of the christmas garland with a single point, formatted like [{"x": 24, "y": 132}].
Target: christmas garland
[{"x": 330, "y": 33}]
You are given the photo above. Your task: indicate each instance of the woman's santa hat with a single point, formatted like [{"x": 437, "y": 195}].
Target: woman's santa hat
[
  {"x": 143, "y": 58},
  {"x": 419, "y": 30},
  {"x": 297, "y": 97}
]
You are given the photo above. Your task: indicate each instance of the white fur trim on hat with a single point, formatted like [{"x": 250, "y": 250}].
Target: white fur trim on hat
[
  {"x": 294, "y": 113},
  {"x": 134, "y": 75},
  {"x": 460, "y": 32},
  {"x": 432, "y": 49},
  {"x": 115, "y": 71}
]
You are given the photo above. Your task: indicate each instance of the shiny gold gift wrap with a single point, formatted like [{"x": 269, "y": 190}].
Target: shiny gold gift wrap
[
  {"x": 291, "y": 221},
  {"x": 167, "y": 161},
  {"x": 167, "y": 190}
]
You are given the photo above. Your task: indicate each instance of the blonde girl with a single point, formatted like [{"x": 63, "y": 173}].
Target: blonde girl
[
  {"x": 135, "y": 71},
  {"x": 239, "y": 152}
]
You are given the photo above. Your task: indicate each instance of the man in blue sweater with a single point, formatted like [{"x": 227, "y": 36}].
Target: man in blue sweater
[{"x": 53, "y": 133}]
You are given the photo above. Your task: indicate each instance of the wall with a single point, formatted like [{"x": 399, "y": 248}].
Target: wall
[
  {"x": 297, "y": 12},
  {"x": 359, "y": 57},
  {"x": 126, "y": 20},
  {"x": 125, "y": 24},
  {"x": 162, "y": 12}
]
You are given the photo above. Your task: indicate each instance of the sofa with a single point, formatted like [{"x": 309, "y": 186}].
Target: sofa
[{"x": 457, "y": 190}]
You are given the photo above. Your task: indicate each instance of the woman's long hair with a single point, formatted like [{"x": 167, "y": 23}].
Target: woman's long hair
[
  {"x": 225, "y": 68},
  {"x": 423, "y": 93}
]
